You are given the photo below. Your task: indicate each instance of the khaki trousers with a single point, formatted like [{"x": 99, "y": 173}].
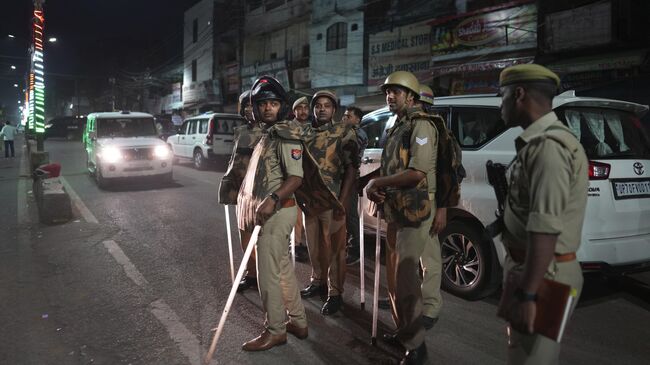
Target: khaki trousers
[
  {"x": 405, "y": 281},
  {"x": 276, "y": 278},
  {"x": 536, "y": 349},
  {"x": 326, "y": 244},
  {"x": 431, "y": 265},
  {"x": 251, "y": 269}
]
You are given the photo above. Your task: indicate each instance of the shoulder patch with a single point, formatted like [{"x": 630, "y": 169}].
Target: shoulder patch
[
  {"x": 421, "y": 141},
  {"x": 296, "y": 153}
]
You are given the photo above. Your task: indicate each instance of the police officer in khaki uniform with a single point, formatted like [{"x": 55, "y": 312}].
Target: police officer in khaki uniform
[
  {"x": 245, "y": 137},
  {"x": 335, "y": 148},
  {"x": 406, "y": 190},
  {"x": 301, "y": 110},
  {"x": 266, "y": 198},
  {"x": 545, "y": 207}
]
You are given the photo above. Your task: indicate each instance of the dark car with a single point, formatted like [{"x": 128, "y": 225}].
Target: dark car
[{"x": 70, "y": 128}]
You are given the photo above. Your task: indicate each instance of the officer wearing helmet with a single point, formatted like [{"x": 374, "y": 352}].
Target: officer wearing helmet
[
  {"x": 266, "y": 198},
  {"x": 245, "y": 139},
  {"x": 406, "y": 191},
  {"x": 335, "y": 148}
]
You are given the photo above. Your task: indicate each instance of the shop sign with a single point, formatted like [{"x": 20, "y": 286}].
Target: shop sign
[
  {"x": 404, "y": 48},
  {"x": 203, "y": 91},
  {"x": 274, "y": 68},
  {"x": 585, "y": 26},
  {"x": 232, "y": 78},
  {"x": 479, "y": 66},
  {"x": 498, "y": 31}
]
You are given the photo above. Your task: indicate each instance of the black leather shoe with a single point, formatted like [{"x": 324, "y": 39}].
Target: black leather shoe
[
  {"x": 415, "y": 357},
  {"x": 311, "y": 291},
  {"x": 332, "y": 305},
  {"x": 391, "y": 339},
  {"x": 246, "y": 282},
  {"x": 428, "y": 322}
]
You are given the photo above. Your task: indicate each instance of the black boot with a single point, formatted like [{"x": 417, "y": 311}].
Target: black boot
[
  {"x": 312, "y": 290},
  {"x": 332, "y": 305},
  {"x": 246, "y": 282},
  {"x": 415, "y": 357}
]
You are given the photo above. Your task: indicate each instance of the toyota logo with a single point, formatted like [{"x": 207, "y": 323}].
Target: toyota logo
[{"x": 638, "y": 168}]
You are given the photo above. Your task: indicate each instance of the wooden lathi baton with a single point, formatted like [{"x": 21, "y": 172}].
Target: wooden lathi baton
[
  {"x": 232, "y": 263},
  {"x": 375, "y": 297},
  {"x": 362, "y": 265},
  {"x": 233, "y": 291}
]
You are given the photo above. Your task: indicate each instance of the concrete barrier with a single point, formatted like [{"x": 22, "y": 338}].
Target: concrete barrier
[{"x": 53, "y": 201}]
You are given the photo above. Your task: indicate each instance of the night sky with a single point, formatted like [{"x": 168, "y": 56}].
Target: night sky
[{"x": 95, "y": 38}]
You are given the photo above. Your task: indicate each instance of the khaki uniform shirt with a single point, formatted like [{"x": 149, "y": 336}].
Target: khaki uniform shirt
[
  {"x": 334, "y": 147},
  {"x": 548, "y": 186},
  {"x": 411, "y": 144}
]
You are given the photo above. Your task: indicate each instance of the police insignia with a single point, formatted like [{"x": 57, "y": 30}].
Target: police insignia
[
  {"x": 296, "y": 154},
  {"x": 421, "y": 141}
]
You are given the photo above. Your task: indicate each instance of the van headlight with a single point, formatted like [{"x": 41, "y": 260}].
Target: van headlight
[
  {"x": 161, "y": 152},
  {"x": 110, "y": 154}
]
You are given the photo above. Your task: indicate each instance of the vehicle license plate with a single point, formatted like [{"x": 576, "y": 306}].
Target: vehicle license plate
[{"x": 631, "y": 188}]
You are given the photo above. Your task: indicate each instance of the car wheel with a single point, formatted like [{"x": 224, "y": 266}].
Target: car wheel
[
  {"x": 102, "y": 182},
  {"x": 199, "y": 160},
  {"x": 466, "y": 261}
]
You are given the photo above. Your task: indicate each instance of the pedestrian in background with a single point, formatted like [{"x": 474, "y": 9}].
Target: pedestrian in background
[
  {"x": 545, "y": 208},
  {"x": 8, "y": 134},
  {"x": 301, "y": 115}
]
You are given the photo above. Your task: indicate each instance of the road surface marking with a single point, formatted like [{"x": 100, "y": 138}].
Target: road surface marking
[
  {"x": 186, "y": 341},
  {"x": 121, "y": 258},
  {"x": 78, "y": 203}
]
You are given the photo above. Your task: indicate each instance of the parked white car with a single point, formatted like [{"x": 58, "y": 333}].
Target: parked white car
[
  {"x": 125, "y": 144},
  {"x": 205, "y": 137},
  {"x": 616, "y": 234}
]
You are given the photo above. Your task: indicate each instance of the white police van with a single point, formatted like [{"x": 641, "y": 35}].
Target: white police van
[{"x": 125, "y": 144}]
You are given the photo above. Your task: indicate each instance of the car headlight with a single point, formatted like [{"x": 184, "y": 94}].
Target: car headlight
[
  {"x": 110, "y": 154},
  {"x": 161, "y": 152}
]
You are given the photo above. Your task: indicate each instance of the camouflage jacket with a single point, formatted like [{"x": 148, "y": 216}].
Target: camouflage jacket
[
  {"x": 312, "y": 196},
  {"x": 409, "y": 206},
  {"x": 335, "y": 148},
  {"x": 245, "y": 139}
]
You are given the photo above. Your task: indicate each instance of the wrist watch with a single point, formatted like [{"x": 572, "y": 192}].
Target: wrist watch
[
  {"x": 523, "y": 296},
  {"x": 275, "y": 197}
]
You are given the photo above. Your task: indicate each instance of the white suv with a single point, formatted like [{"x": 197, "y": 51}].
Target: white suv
[
  {"x": 204, "y": 137},
  {"x": 125, "y": 144},
  {"x": 616, "y": 234}
]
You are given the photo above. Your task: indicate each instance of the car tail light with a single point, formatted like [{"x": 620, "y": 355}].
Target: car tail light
[
  {"x": 209, "y": 139},
  {"x": 599, "y": 170}
]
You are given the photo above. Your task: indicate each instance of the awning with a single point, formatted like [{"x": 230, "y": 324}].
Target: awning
[{"x": 611, "y": 61}]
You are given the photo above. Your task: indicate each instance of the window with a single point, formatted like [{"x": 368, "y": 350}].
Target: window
[
  {"x": 337, "y": 36},
  {"x": 193, "y": 127},
  {"x": 194, "y": 70},
  {"x": 607, "y": 133},
  {"x": 319, "y": 36},
  {"x": 195, "y": 30},
  {"x": 474, "y": 127},
  {"x": 375, "y": 126},
  {"x": 273, "y": 56},
  {"x": 203, "y": 127},
  {"x": 354, "y": 27},
  {"x": 305, "y": 51}
]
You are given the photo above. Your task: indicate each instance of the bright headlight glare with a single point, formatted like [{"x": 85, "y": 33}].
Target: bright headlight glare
[
  {"x": 161, "y": 151},
  {"x": 111, "y": 154}
]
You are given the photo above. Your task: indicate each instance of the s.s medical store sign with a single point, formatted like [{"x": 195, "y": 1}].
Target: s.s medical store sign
[{"x": 512, "y": 28}]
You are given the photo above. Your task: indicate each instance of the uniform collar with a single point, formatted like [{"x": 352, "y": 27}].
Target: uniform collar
[
  {"x": 534, "y": 129},
  {"x": 325, "y": 126}
]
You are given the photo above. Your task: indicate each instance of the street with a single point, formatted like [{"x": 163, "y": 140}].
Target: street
[{"x": 140, "y": 275}]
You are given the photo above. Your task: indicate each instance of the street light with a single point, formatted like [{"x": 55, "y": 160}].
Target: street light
[
  {"x": 11, "y": 36},
  {"x": 15, "y": 85},
  {"x": 13, "y": 67},
  {"x": 52, "y": 39}
]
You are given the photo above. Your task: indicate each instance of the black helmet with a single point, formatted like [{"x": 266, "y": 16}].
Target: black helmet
[
  {"x": 268, "y": 88},
  {"x": 244, "y": 101}
]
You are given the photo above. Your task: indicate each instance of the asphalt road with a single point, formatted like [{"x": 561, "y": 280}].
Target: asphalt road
[{"x": 141, "y": 276}]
